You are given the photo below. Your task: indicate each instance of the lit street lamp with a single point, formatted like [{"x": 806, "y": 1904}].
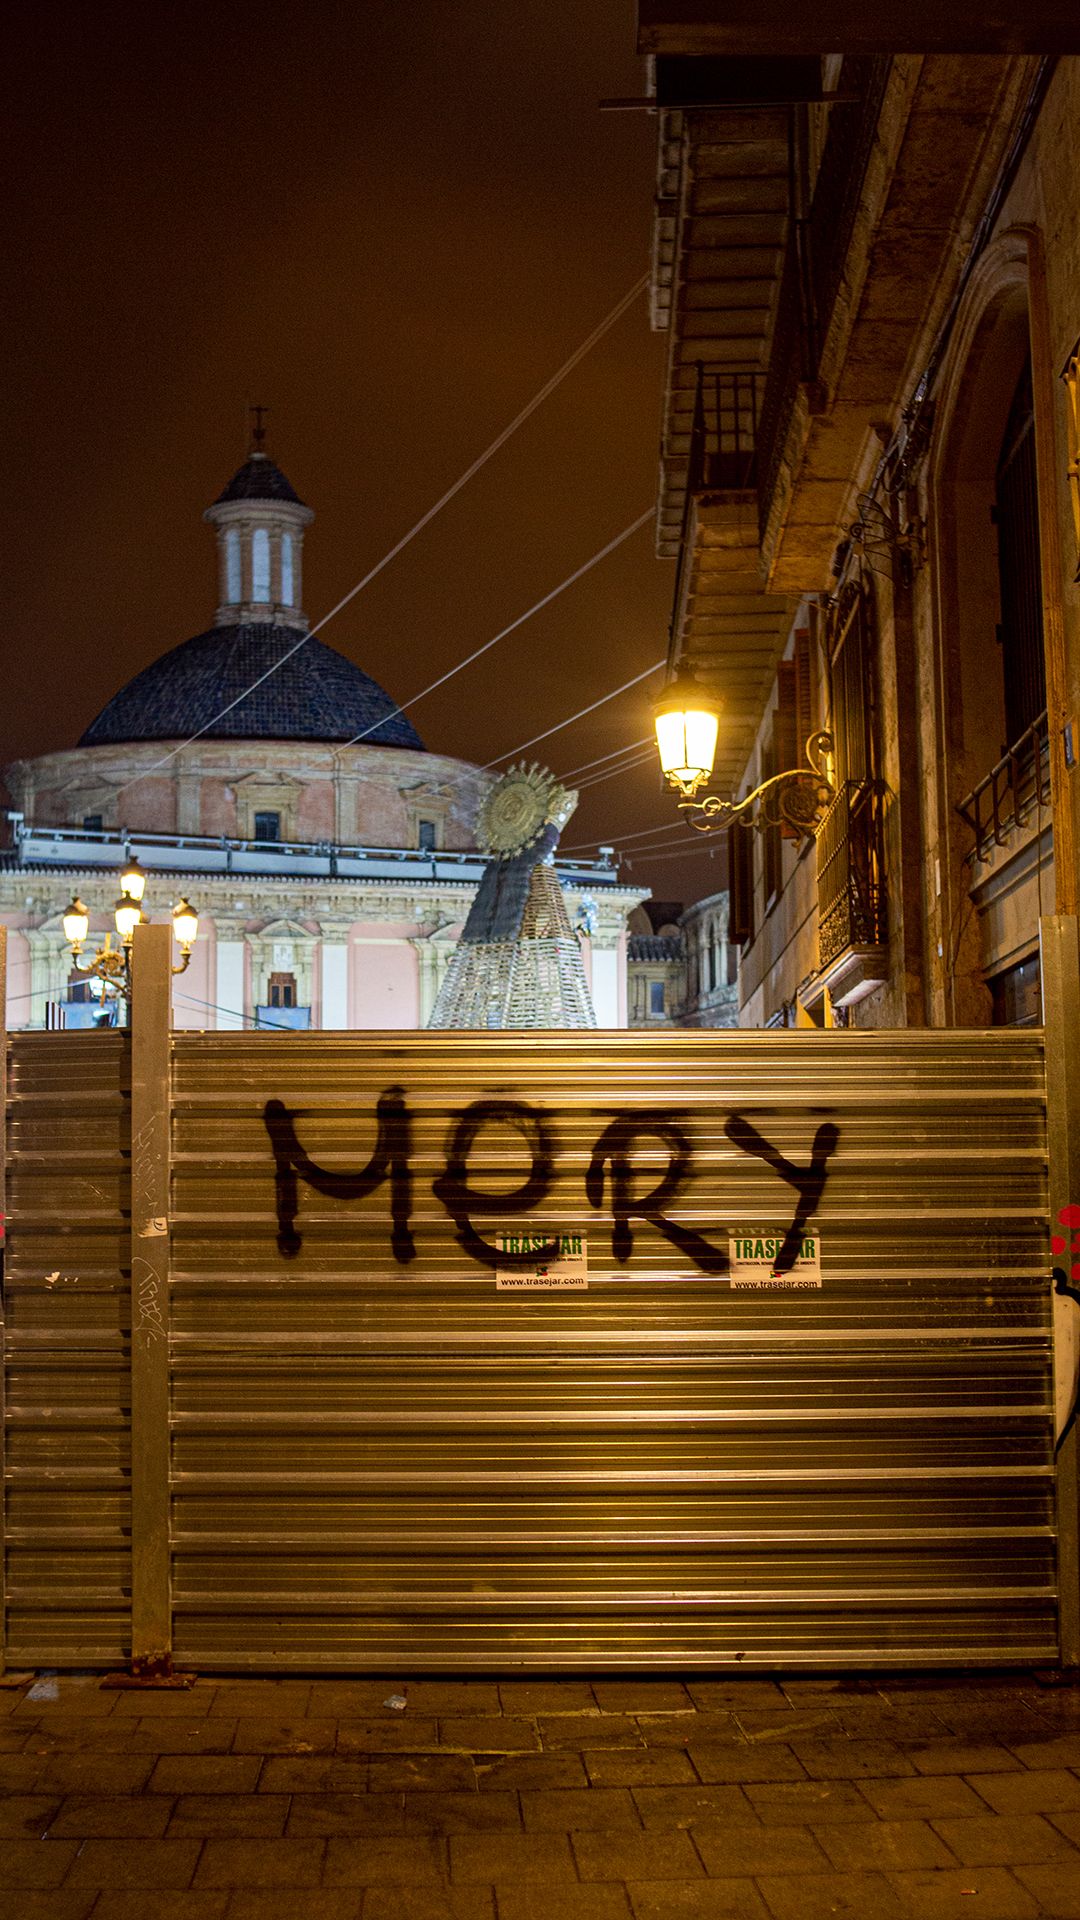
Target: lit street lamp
[
  {"x": 687, "y": 720},
  {"x": 112, "y": 965}
]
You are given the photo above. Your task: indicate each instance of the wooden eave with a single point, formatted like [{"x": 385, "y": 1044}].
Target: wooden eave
[
  {"x": 746, "y": 28},
  {"x": 719, "y": 234},
  {"x": 731, "y": 633}
]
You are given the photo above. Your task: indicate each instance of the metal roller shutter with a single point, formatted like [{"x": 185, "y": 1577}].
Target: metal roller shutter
[
  {"x": 386, "y": 1466},
  {"x": 67, "y": 1479}
]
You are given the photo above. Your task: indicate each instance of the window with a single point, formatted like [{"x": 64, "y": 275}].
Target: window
[
  {"x": 741, "y": 871},
  {"x": 282, "y": 990},
  {"x": 233, "y": 584},
  {"x": 425, "y": 836},
  {"x": 850, "y": 681},
  {"x": 772, "y": 864},
  {"x": 267, "y": 826},
  {"x": 1071, "y": 376},
  {"x": 92, "y": 822},
  {"x": 1017, "y": 995},
  {"x": 286, "y": 569},
  {"x": 260, "y": 565},
  {"x": 656, "y": 996},
  {"x": 80, "y": 990},
  {"x": 1016, "y": 516}
]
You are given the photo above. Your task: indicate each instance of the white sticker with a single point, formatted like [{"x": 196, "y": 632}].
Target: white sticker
[
  {"x": 753, "y": 1255},
  {"x": 570, "y": 1268}
]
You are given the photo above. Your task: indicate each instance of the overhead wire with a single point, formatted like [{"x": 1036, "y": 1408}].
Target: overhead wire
[
  {"x": 579, "y": 715},
  {"x": 580, "y": 846},
  {"x": 600, "y": 759},
  {"x": 628, "y": 766},
  {"x": 425, "y": 520},
  {"x": 514, "y": 624},
  {"x": 677, "y": 853}
]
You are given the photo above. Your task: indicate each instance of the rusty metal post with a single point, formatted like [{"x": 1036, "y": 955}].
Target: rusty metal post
[
  {"x": 151, "y": 1600},
  {"x": 1059, "y": 936}
]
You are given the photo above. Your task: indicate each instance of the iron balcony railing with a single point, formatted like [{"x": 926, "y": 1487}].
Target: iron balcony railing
[
  {"x": 722, "y": 456},
  {"x": 723, "y": 433},
  {"x": 1015, "y": 789},
  {"x": 851, "y": 866}
]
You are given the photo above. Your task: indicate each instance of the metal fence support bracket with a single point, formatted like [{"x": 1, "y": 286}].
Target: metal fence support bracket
[{"x": 151, "y": 1621}]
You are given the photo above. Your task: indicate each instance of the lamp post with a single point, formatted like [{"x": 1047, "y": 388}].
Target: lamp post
[
  {"x": 112, "y": 965},
  {"x": 687, "y": 720}
]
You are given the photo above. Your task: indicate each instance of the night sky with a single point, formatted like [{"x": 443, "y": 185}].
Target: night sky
[{"x": 391, "y": 225}]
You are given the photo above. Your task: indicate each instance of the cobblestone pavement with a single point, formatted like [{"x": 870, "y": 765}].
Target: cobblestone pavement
[{"x": 736, "y": 1798}]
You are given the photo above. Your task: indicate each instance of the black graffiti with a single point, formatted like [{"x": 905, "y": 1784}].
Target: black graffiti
[
  {"x": 808, "y": 1184},
  {"x": 391, "y": 1157},
  {"x": 613, "y": 1149},
  {"x": 391, "y": 1160},
  {"x": 462, "y": 1201}
]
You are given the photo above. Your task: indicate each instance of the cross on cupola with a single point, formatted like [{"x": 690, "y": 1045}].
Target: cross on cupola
[{"x": 260, "y": 523}]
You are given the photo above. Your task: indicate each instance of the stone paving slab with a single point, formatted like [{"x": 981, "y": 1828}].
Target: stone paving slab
[{"x": 629, "y": 1797}]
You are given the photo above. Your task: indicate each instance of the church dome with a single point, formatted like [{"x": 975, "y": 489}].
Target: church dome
[
  {"x": 226, "y": 684},
  {"x": 258, "y": 479},
  {"x": 315, "y": 695}
]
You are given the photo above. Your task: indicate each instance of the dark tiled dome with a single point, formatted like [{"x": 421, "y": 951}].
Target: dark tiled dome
[
  {"x": 316, "y": 695},
  {"x": 258, "y": 479}
]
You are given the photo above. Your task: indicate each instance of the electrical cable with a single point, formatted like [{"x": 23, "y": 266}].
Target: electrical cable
[
  {"x": 425, "y": 520},
  {"x": 690, "y": 852},
  {"x": 580, "y": 715},
  {"x": 248, "y": 1019},
  {"x": 600, "y": 759},
  {"x": 580, "y": 846},
  {"x": 514, "y": 624},
  {"x": 628, "y": 766}
]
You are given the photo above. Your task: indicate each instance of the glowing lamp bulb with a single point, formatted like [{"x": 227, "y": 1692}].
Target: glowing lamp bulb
[
  {"x": 128, "y": 915},
  {"x": 76, "y": 923},
  {"x": 687, "y": 719},
  {"x": 133, "y": 881},
  {"x": 185, "y": 925}
]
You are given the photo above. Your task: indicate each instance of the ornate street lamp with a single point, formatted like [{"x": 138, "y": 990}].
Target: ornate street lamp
[
  {"x": 112, "y": 965},
  {"x": 687, "y": 720}
]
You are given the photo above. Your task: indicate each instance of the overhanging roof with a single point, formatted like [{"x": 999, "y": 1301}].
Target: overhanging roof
[{"x": 747, "y": 28}]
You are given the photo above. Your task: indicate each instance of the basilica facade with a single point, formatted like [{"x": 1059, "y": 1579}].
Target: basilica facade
[{"x": 254, "y": 769}]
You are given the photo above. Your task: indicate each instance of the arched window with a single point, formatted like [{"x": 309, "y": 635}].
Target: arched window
[
  {"x": 286, "y": 570},
  {"x": 1016, "y": 517},
  {"x": 260, "y": 565},
  {"x": 233, "y": 587}
]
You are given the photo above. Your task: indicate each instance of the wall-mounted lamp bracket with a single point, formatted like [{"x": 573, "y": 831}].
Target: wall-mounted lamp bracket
[{"x": 796, "y": 798}]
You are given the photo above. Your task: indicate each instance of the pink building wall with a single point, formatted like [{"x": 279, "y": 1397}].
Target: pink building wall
[
  {"x": 18, "y": 978},
  {"x": 384, "y": 981}
]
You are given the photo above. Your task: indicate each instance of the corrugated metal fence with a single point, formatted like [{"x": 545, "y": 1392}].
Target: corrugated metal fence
[{"x": 354, "y": 1450}]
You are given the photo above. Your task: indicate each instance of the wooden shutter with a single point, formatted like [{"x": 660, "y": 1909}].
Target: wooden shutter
[{"x": 741, "y": 883}]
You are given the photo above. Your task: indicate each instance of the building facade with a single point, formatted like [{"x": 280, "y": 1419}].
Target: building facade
[
  {"x": 682, "y": 968},
  {"x": 870, "y": 285},
  {"x": 331, "y": 857}
]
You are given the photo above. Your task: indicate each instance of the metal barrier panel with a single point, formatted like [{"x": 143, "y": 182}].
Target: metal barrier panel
[
  {"x": 66, "y": 1359},
  {"x": 384, "y": 1459}
]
